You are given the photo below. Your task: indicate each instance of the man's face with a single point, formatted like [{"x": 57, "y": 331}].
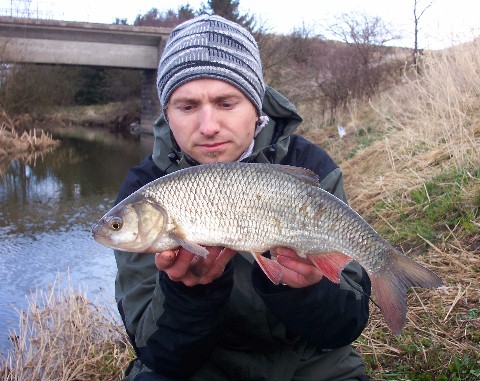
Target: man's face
[{"x": 211, "y": 120}]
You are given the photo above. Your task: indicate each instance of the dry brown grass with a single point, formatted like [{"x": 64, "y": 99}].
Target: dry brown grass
[
  {"x": 428, "y": 129},
  {"x": 63, "y": 336},
  {"x": 14, "y": 144},
  {"x": 441, "y": 340},
  {"x": 431, "y": 124},
  {"x": 113, "y": 115}
]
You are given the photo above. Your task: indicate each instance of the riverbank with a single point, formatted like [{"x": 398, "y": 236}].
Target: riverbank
[
  {"x": 114, "y": 116},
  {"x": 65, "y": 336},
  {"x": 23, "y": 137}
]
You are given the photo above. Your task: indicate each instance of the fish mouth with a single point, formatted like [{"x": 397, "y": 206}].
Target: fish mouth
[
  {"x": 95, "y": 230},
  {"x": 98, "y": 235}
]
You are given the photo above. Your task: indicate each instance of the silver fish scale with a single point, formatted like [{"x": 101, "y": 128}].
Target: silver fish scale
[{"x": 253, "y": 208}]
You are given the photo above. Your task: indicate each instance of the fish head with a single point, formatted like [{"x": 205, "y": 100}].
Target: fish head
[{"x": 131, "y": 226}]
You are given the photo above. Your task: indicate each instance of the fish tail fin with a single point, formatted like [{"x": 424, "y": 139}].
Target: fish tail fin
[{"x": 390, "y": 287}]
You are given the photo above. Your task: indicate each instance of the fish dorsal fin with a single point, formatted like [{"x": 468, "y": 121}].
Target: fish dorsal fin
[{"x": 302, "y": 174}]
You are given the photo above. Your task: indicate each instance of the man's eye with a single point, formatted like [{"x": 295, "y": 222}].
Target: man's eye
[
  {"x": 226, "y": 105},
  {"x": 186, "y": 108}
]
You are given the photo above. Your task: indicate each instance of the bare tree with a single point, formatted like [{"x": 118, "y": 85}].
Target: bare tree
[
  {"x": 368, "y": 37},
  {"x": 416, "y": 19}
]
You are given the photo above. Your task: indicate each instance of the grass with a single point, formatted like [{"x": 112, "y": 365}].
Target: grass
[
  {"x": 411, "y": 164},
  {"x": 419, "y": 186},
  {"x": 431, "y": 212},
  {"x": 26, "y": 144},
  {"x": 64, "y": 336}
]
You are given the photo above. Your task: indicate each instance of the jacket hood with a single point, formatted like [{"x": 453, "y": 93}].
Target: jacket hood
[{"x": 271, "y": 144}]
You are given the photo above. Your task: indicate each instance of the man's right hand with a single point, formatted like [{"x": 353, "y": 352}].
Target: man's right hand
[{"x": 186, "y": 267}]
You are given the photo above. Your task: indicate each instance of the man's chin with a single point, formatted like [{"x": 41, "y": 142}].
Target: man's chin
[{"x": 205, "y": 157}]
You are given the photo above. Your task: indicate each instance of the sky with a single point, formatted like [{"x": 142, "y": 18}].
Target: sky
[{"x": 444, "y": 23}]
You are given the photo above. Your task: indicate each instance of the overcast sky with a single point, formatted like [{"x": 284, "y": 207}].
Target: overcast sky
[{"x": 444, "y": 23}]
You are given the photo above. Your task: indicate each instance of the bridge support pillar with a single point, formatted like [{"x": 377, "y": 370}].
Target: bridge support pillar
[{"x": 150, "y": 103}]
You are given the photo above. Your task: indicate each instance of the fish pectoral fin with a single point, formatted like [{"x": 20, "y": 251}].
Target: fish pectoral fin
[
  {"x": 190, "y": 246},
  {"x": 270, "y": 267},
  {"x": 331, "y": 264}
]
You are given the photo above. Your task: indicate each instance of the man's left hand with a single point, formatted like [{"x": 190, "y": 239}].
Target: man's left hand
[{"x": 297, "y": 272}]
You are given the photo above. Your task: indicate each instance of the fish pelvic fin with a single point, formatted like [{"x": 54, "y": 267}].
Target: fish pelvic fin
[
  {"x": 331, "y": 264},
  {"x": 270, "y": 267},
  {"x": 190, "y": 246},
  {"x": 390, "y": 287}
]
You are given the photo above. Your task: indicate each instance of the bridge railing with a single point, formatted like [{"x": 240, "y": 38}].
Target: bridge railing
[{"x": 36, "y": 9}]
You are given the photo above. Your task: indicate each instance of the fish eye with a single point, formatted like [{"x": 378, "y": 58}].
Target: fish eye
[{"x": 116, "y": 223}]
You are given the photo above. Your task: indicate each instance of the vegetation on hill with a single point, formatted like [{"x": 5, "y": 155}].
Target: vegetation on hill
[{"x": 412, "y": 170}]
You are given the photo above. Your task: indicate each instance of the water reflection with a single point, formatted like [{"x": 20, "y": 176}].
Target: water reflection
[{"x": 47, "y": 208}]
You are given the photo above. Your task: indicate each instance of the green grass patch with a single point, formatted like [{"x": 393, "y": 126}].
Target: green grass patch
[
  {"x": 448, "y": 202},
  {"x": 423, "y": 361}
]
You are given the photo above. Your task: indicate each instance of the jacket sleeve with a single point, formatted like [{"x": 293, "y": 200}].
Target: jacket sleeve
[
  {"x": 326, "y": 314},
  {"x": 172, "y": 327}
]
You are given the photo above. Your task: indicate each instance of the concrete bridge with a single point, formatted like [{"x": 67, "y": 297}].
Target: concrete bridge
[{"x": 25, "y": 40}]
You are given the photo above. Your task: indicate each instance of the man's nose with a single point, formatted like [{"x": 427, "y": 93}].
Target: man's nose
[{"x": 208, "y": 122}]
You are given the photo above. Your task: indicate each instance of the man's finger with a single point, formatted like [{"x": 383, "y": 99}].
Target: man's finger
[
  {"x": 199, "y": 266},
  {"x": 165, "y": 259},
  {"x": 285, "y": 251}
]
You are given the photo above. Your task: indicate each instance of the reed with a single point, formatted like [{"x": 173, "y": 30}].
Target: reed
[
  {"x": 24, "y": 143},
  {"x": 64, "y": 336}
]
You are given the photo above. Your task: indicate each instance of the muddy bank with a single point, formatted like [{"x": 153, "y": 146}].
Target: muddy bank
[{"x": 115, "y": 116}]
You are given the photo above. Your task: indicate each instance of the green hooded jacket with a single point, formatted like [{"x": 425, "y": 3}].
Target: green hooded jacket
[{"x": 241, "y": 327}]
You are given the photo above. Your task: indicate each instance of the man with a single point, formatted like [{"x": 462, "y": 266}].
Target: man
[{"x": 220, "y": 318}]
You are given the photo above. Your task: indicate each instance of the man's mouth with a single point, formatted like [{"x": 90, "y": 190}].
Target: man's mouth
[{"x": 209, "y": 147}]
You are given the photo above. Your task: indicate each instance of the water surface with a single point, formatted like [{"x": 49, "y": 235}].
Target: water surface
[{"x": 47, "y": 208}]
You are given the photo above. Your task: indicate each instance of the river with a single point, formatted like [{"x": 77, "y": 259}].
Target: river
[{"x": 47, "y": 208}]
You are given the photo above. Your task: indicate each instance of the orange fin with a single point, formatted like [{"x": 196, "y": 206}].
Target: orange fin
[
  {"x": 390, "y": 287},
  {"x": 270, "y": 267},
  {"x": 331, "y": 264}
]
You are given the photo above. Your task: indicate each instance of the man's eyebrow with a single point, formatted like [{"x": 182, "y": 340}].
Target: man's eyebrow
[
  {"x": 182, "y": 100},
  {"x": 228, "y": 96},
  {"x": 188, "y": 99}
]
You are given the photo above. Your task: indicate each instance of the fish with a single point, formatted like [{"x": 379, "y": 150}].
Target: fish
[{"x": 254, "y": 208}]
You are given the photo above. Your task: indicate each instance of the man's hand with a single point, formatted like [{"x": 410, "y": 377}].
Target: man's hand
[
  {"x": 184, "y": 266},
  {"x": 297, "y": 272}
]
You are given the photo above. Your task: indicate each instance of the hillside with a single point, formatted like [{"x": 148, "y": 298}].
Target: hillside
[{"x": 411, "y": 160}]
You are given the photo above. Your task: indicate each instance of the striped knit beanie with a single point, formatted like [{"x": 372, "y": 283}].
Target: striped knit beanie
[{"x": 211, "y": 47}]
